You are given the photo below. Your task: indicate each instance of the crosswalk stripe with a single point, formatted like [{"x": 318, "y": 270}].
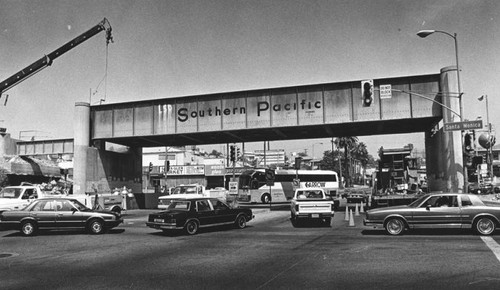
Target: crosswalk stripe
[{"x": 493, "y": 245}]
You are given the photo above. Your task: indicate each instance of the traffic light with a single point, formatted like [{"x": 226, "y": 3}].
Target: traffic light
[
  {"x": 232, "y": 154},
  {"x": 367, "y": 92},
  {"x": 298, "y": 160},
  {"x": 468, "y": 142},
  {"x": 238, "y": 153},
  {"x": 150, "y": 166},
  {"x": 167, "y": 165}
]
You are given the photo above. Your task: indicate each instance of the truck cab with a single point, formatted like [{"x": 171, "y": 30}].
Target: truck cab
[
  {"x": 18, "y": 197},
  {"x": 311, "y": 204},
  {"x": 181, "y": 191}
]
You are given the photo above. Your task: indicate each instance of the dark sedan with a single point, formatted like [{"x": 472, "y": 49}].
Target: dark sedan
[
  {"x": 58, "y": 213},
  {"x": 444, "y": 210},
  {"x": 191, "y": 214}
]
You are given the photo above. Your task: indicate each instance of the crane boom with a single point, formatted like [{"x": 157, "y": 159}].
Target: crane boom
[{"x": 47, "y": 60}]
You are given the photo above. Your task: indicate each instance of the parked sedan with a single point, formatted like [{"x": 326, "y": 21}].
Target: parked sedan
[
  {"x": 58, "y": 213},
  {"x": 191, "y": 214},
  {"x": 444, "y": 210}
]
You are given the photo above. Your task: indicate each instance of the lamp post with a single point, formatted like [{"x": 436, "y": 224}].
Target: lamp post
[
  {"x": 490, "y": 149},
  {"x": 341, "y": 184},
  {"x": 425, "y": 33}
]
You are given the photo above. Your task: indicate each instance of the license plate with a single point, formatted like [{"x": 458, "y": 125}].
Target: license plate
[
  {"x": 158, "y": 220},
  {"x": 315, "y": 215}
]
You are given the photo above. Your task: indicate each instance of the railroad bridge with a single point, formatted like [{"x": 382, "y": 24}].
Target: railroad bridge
[{"x": 420, "y": 103}]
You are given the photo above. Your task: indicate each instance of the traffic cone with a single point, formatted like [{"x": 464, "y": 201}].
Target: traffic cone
[
  {"x": 346, "y": 218},
  {"x": 362, "y": 209},
  {"x": 351, "y": 219},
  {"x": 356, "y": 212}
]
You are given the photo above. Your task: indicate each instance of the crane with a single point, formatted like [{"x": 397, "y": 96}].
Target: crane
[{"x": 47, "y": 60}]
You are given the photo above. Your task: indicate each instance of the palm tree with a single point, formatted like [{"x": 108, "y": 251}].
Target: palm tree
[{"x": 347, "y": 143}]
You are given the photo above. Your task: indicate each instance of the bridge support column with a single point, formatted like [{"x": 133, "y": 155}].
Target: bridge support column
[
  {"x": 444, "y": 149},
  {"x": 81, "y": 128}
]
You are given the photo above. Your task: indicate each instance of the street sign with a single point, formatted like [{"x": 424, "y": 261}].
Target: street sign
[
  {"x": 233, "y": 187},
  {"x": 467, "y": 125},
  {"x": 385, "y": 91}
]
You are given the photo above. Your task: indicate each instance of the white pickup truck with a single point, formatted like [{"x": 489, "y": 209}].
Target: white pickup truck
[
  {"x": 188, "y": 191},
  {"x": 17, "y": 197},
  {"x": 311, "y": 203}
]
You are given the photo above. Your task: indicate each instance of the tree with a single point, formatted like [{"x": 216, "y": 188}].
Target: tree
[
  {"x": 330, "y": 160},
  {"x": 347, "y": 143}
]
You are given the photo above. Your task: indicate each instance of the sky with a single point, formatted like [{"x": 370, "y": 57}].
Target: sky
[{"x": 170, "y": 48}]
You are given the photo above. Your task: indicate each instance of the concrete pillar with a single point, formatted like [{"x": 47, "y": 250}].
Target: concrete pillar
[
  {"x": 81, "y": 127},
  {"x": 8, "y": 146},
  {"x": 4, "y": 139},
  {"x": 452, "y": 154}
]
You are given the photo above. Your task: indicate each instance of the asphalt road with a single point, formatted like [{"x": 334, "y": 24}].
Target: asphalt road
[{"x": 268, "y": 254}]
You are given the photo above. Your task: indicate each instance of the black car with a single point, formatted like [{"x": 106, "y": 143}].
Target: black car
[
  {"x": 191, "y": 214},
  {"x": 56, "y": 214}
]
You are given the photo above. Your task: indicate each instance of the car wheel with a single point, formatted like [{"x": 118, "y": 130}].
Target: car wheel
[
  {"x": 191, "y": 227},
  {"x": 241, "y": 222},
  {"x": 395, "y": 226},
  {"x": 266, "y": 198},
  {"x": 484, "y": 226},
  {"x": 327, "y": 222},
  {"x": 96, "y": 227},
  {"x": 28, "y": 228}
]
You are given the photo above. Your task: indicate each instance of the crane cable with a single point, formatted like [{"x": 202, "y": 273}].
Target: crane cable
[{"x": 109, "y": 39}]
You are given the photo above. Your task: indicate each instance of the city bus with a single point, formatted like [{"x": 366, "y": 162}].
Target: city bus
[{"x": 252, "y": 185}]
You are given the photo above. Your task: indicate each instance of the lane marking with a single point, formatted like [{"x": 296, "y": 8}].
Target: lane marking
[{"x": 493, "y": 245}]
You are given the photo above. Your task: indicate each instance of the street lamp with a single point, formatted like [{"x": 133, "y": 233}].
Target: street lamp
[{"x": 425, "y": 33}]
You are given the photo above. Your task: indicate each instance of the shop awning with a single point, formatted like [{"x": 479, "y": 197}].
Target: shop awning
[{"x": 31, "y": 166}]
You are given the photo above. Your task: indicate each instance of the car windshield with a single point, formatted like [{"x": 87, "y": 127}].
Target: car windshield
[
  {"x": 10, "y": 192},
  {"x": 80, "y": 206},
  {"x": 418, "y": 201},
  {"x": 179, "y": 205}
]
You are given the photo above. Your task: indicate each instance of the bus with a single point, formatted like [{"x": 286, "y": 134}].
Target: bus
[{"x": 252, "y": 186}]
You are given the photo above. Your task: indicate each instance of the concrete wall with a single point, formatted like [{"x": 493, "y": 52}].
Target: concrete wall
[{"x": 108, "y": 170}]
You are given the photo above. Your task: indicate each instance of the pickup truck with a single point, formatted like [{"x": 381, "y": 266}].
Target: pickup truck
[
  {"x": 17, "y": 197},
  {"x": 312, "y": 204},
  {"x": 189, "y": 191}
]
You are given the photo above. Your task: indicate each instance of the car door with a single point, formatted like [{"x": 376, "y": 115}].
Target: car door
[
  {"x": 67, "y": 216},
  {"x": 44, "y": 214},
  {"x": 223, "y": 214},
  {"x": 205, "y": 212},
  {"x": 468, "y": 211},
  {"x": 438, "y": 211}
]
